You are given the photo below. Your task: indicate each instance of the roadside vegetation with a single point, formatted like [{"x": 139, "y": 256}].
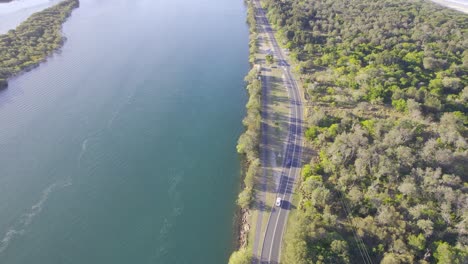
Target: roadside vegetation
[
  {"x": 33, "y": 40},
  {"x": 387, "y": 89},
  {"x": 248, "y": 143}
]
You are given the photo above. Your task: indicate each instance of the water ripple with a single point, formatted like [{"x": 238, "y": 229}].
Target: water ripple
[{"x": 19, "y": 228}]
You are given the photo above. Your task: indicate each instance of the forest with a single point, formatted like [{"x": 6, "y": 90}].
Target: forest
[
  {"x": 33, "y": 40},
  {"x": 386, "y": 84}
]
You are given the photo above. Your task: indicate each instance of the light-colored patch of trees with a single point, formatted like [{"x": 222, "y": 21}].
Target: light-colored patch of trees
[{"x": 398, "y": 184}]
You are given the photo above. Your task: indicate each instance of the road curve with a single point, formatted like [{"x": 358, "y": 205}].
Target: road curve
[{"x": 271, "y": 248}]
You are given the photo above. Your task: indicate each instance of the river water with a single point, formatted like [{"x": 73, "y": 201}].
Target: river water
[{"x": 121, "y": 148}]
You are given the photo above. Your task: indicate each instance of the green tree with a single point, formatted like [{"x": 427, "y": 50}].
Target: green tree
[
  {"x": 245, "y": 198},
  {"x": 296, "y": 252},
  {"x": 446, "y": 254},
  {"x": 269, "y": 58},
  {"x": 417, "y": 242},
  {"x": 400, "y": 105},
  {"x": 312, "y": 132}
]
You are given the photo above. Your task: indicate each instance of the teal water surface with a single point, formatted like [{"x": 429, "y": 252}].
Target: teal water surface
[{"x": 121, "y": 148}]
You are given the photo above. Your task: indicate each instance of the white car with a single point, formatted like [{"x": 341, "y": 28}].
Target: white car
[{"x": 278, "y": 201}]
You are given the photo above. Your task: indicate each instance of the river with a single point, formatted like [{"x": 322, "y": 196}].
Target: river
[{"x": 121, "y": 148}]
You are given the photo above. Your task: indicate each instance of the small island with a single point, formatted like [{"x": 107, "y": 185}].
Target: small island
[{"x": 33, "y": 40}]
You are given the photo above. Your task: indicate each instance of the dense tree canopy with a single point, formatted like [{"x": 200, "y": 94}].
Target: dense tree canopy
[
  {"x": 387, "y": 89},
  {"x": 387, "y": 51},
  {"x": 396, "y": 184},
  {"x": 33, "y": 40}
]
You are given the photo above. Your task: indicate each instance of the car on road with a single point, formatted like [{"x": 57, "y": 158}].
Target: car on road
[{"x": 278, "y": 201}]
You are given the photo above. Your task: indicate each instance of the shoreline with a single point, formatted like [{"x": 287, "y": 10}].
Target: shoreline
[
  {"x": 240, "y": 215},
  {"x": 456, "y": 5},
  {"x": 15, "y": 12},
  {"x": 248, "y": 147}
]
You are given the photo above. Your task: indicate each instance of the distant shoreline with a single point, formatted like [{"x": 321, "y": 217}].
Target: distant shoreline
[
  {"x": 5, "y": 1},
  {"x": 457, "y": 5}
]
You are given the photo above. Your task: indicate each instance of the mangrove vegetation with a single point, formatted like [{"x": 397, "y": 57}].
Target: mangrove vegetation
[{"x": 33, "y": 40}]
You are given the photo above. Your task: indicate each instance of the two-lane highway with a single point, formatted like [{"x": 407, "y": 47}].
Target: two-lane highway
[{"x": 271, "y": 248}]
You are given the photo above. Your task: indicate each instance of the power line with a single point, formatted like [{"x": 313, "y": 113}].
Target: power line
[{"x": 360, "y": 243}]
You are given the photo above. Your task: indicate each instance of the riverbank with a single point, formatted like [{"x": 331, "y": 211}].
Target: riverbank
[
  {"x": 248, "y": 146},
  {"x": 33, "y": 40},
  {"x": 275, "y": 113}
]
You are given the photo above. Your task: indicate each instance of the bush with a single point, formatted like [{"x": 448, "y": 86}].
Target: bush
[
  {"x": 245, "y": 198},
  {"x": 243, "y": 256},
  {"x": 400, "y": 105},
  {"x": 269, "y": 58},
  {"x": 312, "y": 132}
]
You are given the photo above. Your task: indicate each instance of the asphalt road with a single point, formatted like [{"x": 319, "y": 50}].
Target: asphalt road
[{"x": 271, "y": 248}]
